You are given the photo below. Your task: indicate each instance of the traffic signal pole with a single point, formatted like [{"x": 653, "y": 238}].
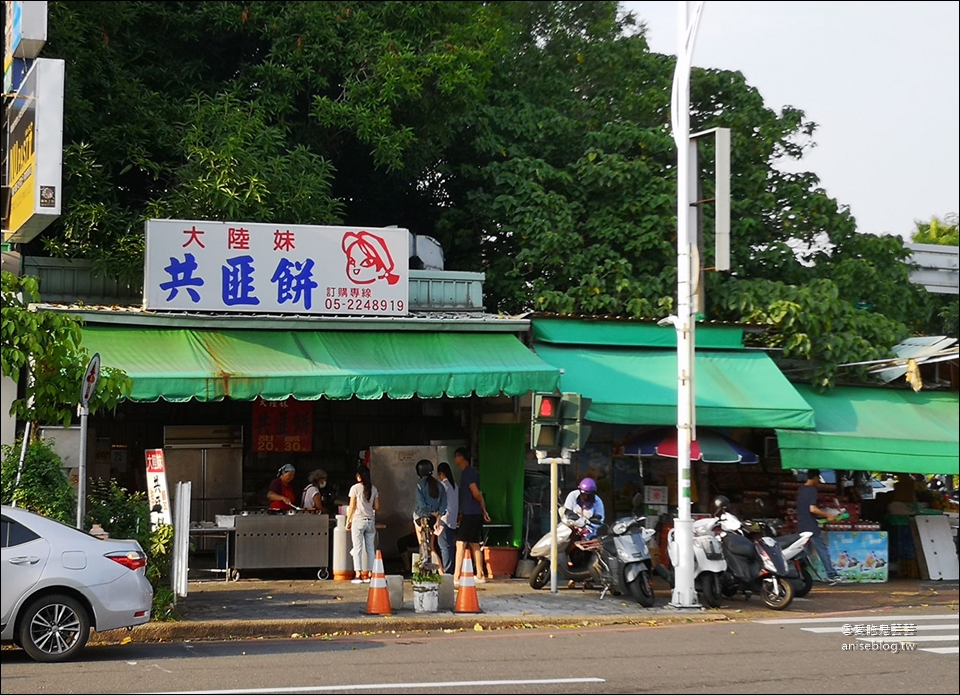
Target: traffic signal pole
[{"x": 684, "y": 592}]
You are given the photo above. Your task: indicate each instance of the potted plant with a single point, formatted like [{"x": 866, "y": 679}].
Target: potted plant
[{"x": 426, "y": 587}]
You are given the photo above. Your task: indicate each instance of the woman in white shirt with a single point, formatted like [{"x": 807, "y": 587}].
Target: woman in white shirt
[{"x": 361, "y": 515}]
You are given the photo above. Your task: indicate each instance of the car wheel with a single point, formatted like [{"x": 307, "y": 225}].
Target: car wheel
[{"x": 54, "y": 628}]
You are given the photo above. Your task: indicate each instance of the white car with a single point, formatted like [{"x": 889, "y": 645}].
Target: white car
[{"x": 58, "y": 582}]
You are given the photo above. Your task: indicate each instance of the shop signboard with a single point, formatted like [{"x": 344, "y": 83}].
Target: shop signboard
[
  {"x": 282, "y": 426},
  {"x": 197, "y": 265},
  {"x": 25, "y": 32},
  {"x": 157, "y": 495},
  {"x": 34, "y": 130}
]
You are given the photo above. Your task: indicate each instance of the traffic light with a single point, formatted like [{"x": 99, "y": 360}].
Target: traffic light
[
  {"x": 573, "y": 433},
  {"x": 557, "y": 422},
  {"x": 545, "y": 422}
]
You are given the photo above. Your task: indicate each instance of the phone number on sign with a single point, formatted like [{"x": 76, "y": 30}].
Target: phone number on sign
[{"x": 360, "y": 304}]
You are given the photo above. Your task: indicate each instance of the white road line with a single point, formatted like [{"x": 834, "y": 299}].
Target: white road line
[
  {"x": 838, "y": 630},
  {"x": 870, "y": 618},
  {"x": 915, "y": 638},
  {"x": 941, "y": 650},
  {"x": 379, "y": 687}
]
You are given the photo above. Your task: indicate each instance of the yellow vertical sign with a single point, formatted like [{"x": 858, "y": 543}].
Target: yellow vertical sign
[{"x": 23, "y": 165}]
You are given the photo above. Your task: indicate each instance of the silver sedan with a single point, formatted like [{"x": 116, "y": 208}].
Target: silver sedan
[{"x": 59, "y": 582}]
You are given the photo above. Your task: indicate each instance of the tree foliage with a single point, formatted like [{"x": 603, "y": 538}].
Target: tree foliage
[
  {"x": 937, "y": 231},
  {"x": 46, "y": 345},
  {"x": 531, "y": 138}
]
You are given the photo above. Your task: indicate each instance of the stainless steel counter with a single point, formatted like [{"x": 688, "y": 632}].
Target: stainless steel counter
[{"x": 263, "y": 540}]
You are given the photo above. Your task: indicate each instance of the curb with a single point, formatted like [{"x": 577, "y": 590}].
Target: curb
[{"x": 293, "y": 628}]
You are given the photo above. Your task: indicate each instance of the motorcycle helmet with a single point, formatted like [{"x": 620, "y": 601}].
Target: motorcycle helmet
[
  {"x": 424, "y": 468},
  {"x": 588, "y": 492},
  {"x": 721, "y": 503}
]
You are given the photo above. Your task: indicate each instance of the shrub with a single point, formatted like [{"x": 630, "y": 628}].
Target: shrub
[{"x": 44, "y": 487}]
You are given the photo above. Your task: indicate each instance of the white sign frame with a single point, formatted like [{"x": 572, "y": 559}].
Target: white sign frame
[{"x": 244, "y": 267}]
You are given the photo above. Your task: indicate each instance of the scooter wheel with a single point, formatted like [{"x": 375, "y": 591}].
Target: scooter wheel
[
  {"x": 541, "y": 574},
  {"x": 709, "y": 587},
  {"x": 803, "y": 586},
  {"x": 776, "y": 592},
  {"x": 641, "y": 589}
]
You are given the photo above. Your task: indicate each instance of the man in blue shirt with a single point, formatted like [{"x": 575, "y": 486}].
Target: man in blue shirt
[
  {"x": 807, "y": 513},
  {"x": 473, "y": 514}
]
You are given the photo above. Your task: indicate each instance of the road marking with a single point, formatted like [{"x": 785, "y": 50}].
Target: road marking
[
  {"x": 838, "y": 630},
  {"x": 952, "y": 624},
  {"x": 912, "y": 638},
  {"x": 941, "y": 650},
  {"x": 873, "y": 617},
  {"x": 391, "y": 686}
]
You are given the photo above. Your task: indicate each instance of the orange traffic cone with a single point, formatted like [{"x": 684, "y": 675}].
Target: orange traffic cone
[
  {"x": 378, "y": 598},
  {"x": 467, "y": 599}
]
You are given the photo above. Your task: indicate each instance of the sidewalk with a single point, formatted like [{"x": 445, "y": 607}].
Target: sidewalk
[{"x": 282, "y": 608}]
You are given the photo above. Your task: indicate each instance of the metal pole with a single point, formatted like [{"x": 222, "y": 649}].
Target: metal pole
[
  {"x": 554, "y": 494},
  {"x": 82, "y": 478},
  {"x": 23, "y": 457},
  {"x": 684, "y": 592}
]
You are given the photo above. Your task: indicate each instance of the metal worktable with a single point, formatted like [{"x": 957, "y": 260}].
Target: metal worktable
[{"x": 264, "y": 540}]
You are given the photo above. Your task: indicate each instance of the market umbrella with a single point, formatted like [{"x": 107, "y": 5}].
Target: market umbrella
[{"x": 709, "y": 447}]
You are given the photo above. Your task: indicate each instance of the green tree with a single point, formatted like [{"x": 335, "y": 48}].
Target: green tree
[
  {"x": 937, "y": 231},
  {"x": 531, "y": 138},
  {"x": 44, "y": 347}
]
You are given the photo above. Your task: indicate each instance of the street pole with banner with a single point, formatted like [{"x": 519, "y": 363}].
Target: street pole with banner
[
  {"x": 684, "y": 592},
  {"x": 87, "y": 389}
]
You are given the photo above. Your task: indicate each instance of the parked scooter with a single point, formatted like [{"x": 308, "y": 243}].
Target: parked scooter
[
  {"x": 709, "y": 563},
  {"x": 617, "y": 560},
  {"x": 626, "y": 565},
  {"x": 753, "y": 567},
  {"x": 794, "y": 547}
]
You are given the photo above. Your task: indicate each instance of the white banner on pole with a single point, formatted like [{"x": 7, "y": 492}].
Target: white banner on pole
[{"x": 157, "y": 494}]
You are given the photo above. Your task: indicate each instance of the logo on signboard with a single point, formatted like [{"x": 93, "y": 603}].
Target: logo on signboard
[
  {"x": 48, "y": 196},
  {"x": 368, "y": 259}
]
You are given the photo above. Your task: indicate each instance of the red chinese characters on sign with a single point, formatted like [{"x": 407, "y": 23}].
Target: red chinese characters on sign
[{"x": 284, "y": 426}]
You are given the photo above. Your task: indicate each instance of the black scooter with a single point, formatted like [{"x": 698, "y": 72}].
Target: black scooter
[{"x": 754, "y": 566}]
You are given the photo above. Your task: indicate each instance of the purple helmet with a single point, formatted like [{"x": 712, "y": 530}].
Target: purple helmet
[{"x": 588, "y": 493}]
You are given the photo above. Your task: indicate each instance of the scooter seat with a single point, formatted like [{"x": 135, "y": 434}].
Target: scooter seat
[
  {"x": 738, "y": 545},
  {"x": 787, "y": 540}
]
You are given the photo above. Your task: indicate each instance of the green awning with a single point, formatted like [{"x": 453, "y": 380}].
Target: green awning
[
  {"x": 639, "y": 387},
  {"x": 877, "y": 429},
  {"x": 606, "y": 333},
  {"x": 209, "y": 365}
]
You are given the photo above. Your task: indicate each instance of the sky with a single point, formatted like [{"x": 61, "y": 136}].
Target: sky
[{"x": 881, "y": 79}]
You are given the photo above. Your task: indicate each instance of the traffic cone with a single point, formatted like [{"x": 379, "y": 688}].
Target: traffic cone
[
  {"x": 378, "y": 598},
  {"x": 467, "y": 599}
]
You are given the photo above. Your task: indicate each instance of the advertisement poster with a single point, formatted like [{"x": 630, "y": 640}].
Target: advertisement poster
[
  {"x": 285, "y": 426},
  {"x": 858, "y": 556},
  {"x": 157, "y": 494}
]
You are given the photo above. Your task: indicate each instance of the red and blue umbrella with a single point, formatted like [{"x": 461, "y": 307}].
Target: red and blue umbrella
[{"x": 709, "y": 447}]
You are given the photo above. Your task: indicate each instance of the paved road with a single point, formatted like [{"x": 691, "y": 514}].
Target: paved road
[
  {"x": 748, "y": 657},
  {"x": 937, "y": 633}
]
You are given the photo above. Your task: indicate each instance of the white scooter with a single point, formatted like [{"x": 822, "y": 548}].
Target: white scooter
[{"x": 708, "y": 561}]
